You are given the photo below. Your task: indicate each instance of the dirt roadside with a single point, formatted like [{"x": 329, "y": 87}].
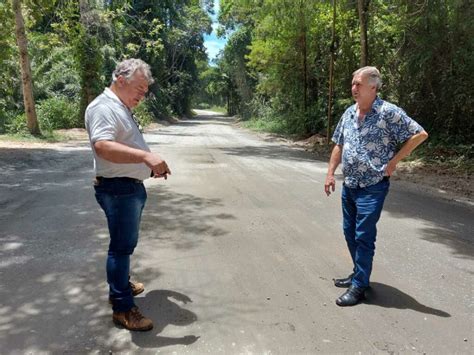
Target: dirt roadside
[{"x": 416, "y": 175}]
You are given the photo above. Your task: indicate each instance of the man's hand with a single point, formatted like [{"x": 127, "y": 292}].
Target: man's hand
[
  {"x": 157, "y": 165},
  {"x": 329, "y": 185},
  {"x": 391, "y": 167},
  {"x": 334, "y": 161},
  {"x": 412, "y": 142}
]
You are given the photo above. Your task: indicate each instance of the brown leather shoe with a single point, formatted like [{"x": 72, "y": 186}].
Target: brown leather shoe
[
  {"x": 132, "y": 320},
  {"x": 137, "y": 287}
]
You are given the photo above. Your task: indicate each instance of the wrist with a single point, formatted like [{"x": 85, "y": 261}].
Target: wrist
[{"x": 144, "y": 156}]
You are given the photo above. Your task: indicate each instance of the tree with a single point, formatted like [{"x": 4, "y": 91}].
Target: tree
[
  {"x": 88, "y": 57},
  {"x": 28, "y": 98},
  {"x": 363, "y": 10}
]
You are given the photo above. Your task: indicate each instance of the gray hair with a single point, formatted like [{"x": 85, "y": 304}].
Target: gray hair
[
  {"x": 372, "y": 73},
  {"x": 128, "y": 67}
]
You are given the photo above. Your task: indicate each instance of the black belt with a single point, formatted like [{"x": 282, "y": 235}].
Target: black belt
[{"x": 124, "y": 179}]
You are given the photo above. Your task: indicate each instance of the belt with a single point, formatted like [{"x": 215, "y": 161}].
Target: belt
[{"x": 99, "y": 179}]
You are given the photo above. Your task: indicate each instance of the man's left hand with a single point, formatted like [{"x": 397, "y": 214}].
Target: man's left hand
[{"x": 391, "y": 167}]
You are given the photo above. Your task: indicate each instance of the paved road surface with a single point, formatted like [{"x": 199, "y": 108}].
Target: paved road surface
[{"x": 237, "y": 251}]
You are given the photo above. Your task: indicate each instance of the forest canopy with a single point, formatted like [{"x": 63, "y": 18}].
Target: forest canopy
[{"x": 287, "y": 63}]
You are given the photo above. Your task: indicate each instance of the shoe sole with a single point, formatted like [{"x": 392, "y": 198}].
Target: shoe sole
[
  {"x": 341, "y": 286},
  {"x": 144, "y": 329},
  {"x": 348, "y": 305},
  {"x": 363, "y": 298}
]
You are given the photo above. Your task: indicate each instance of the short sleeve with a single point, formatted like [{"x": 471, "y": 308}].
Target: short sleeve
[
  {"x": 102, "y": 124},
  {"x": 403, "y": 127},
  {"x": 338, "y": 136}
]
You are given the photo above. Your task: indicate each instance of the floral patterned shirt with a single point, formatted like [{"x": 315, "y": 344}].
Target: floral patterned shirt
[{"x": 368, "y": 145}]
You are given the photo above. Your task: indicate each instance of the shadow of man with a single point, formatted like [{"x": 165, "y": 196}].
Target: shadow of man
[
  {"x": 390, "y": 297},
  {"x": 157, "y": 306}
]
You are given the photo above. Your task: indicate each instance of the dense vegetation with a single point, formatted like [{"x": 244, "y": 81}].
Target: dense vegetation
[
  {"x": 73, "y": 46},
  {"x": 275, "y": 68}
]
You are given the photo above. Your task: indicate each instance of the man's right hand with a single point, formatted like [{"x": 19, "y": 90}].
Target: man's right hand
[
  {"x": 157, "y": 165},
  {"x": 329, "y": 185}
]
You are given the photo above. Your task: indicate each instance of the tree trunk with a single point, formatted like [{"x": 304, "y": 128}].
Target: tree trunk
[
  {"x": 89, "y": 60},
  {"x": 363, "y": 9},
  {"x": 304, "y": 55},
  {"x": 28, "y": 98},
  {"x": 331, "y": 73}
]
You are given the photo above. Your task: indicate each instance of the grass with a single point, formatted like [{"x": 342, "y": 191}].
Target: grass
[
  {"x": 268, "y": 126},
  {"x": 218, "y": 109},
  {"x": 449, "y": 158},
  {"x": 452, "y": 158}
]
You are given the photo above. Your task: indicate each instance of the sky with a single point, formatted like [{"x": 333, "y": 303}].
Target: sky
[{"x": 212, "y": 43}]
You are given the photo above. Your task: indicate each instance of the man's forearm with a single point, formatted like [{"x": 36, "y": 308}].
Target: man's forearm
[
  {"x": 335, "y": 159},
  {"x": 410, "y": 145},
  {"x": 119, "y": 153}
]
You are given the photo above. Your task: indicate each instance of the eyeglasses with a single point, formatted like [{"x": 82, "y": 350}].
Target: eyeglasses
[{"x": 139, "y": 126}]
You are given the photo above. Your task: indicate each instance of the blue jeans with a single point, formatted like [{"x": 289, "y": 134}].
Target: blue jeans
[
  {"x": 122, "y": 200},
  {"x": 361, "y": 209}
]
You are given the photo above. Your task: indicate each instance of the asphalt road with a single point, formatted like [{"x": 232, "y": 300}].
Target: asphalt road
[{"x": 237, "y": 251}]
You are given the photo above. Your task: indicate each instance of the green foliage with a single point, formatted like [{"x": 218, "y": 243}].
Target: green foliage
[
  {"x": 212, "y": 87},
  {"x": 74, "y": 47},
  {"x": 423, "y": 49},
  {"x": 17, "y": 125},
  {"x": 274, "y": 68},
  {"x": 57, "y": 112},
  {"x": 143, "y": 114}
]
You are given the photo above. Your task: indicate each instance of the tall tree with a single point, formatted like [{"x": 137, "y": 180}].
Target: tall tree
[
  {"x": 363, "y": 10},
  {"x": 28, "y": 98},
  {"x": 88, "y": 56},
  {"x": 331, "y": 72}
]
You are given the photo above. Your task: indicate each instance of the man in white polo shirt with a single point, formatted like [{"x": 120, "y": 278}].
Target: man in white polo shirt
[{"x": 122, "y": 160}]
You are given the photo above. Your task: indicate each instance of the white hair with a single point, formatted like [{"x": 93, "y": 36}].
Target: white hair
[
  {"x": 128, "y": 67},
  {"x": 372, "y": 73}
]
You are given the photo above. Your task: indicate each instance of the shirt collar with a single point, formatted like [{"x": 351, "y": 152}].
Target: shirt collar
[
  {"x": 111, "y": 95},
  {"x": 376, "y": 106}
]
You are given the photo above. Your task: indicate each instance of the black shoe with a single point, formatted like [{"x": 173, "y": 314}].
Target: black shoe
[
  {"x": 343, "y": 282},
  {"x": 351, "y": 297}
]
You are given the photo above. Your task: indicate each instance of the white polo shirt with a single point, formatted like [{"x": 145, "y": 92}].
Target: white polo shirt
[{"x": 108, "y": 119}]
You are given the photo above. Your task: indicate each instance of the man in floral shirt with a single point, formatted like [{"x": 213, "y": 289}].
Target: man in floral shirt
[{"x": 366, "y": 140}]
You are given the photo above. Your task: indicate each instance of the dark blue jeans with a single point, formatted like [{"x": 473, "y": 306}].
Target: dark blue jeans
[
  {"x": 122, "y": 200},
  {"x": 361, "y": 209}
]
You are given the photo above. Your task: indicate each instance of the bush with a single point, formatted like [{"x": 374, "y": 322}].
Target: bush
[
  {"x": 203, "y": 106},
  {"x": 57, "y": 112},
  {"x": 143, "y": 114},
  {"x": 16, "y": 125}
]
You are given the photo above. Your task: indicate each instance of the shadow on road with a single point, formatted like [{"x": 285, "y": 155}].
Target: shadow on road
[
  {"x": 53, "y": 243},
  {"x": 390, "y": 297},
  {"x": 439, "y": 221},
  {"x": 182, "y": 220},
  {"x": 159, "y": 306}
]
